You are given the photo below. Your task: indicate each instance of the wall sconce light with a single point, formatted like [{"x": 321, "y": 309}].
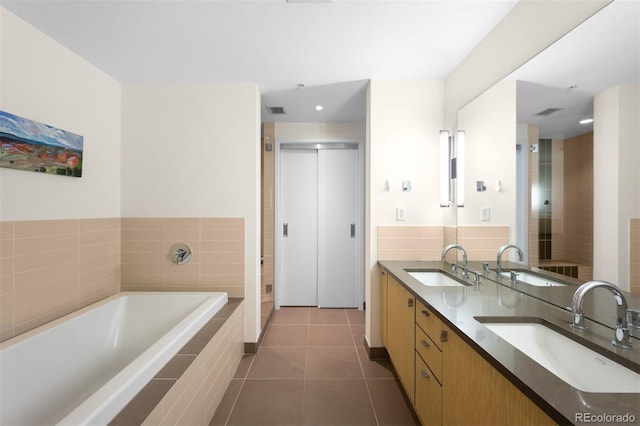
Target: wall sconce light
[
  {"x": 445, "y": 170},
  {"x": 460, "y": 169}
]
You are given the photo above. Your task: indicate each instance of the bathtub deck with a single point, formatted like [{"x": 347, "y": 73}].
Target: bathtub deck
[
  {"x": 153, "y": 393},
  {"x": 312, "y": 368}
]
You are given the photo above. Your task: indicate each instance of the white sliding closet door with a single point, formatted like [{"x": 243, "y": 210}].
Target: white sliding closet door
[
  {"x": 337, "y": 219},
  {"x": 319, "y": 231},
  {"x": 299, "y": 228}
]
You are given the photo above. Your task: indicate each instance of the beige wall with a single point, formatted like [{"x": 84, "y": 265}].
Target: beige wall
[
  {"x": 616, "y": 175},
  {"x": 489, "y": 123},
  {"x": 60, "y": 236},
  {"x": 319, "y": 131},
  {"x": 43, "y": 81},
  {"x": 404, "y": 119},
  {"x": 193, "y": 151}
]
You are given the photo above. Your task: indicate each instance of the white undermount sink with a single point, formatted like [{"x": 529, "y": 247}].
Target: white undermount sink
[
  {"x": 577, "y": 365},
  {"x": 534, "y": 279},
  {"x": 435, "y": 279}
]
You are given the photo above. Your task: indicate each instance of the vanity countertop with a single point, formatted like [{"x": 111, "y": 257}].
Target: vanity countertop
[{"x": 458, "y": 307}]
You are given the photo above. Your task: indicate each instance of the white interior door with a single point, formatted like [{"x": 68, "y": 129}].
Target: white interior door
[
  {"x": 337, "y": 228},
  {"x": 299, "y": 228}
]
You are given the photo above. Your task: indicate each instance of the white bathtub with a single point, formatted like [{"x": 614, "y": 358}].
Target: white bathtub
[{"x": 85, "y": 367}]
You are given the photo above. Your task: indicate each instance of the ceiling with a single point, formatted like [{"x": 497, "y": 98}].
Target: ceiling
[
  {"x": 332, "y": 48},
  {"x": 303, "y": 54}
]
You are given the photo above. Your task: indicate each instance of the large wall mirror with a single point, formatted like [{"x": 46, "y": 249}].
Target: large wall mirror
[{"x": 553, "y": 153}]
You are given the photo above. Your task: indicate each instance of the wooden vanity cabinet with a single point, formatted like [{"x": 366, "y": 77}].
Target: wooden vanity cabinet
[
  {"x": 428, "y": 366},
  {"x": 446, "y": 380},
  {"x": 384, "y": 306},
  {"x": 401, "y": 333},
  {"x": 475, "y": 393}
]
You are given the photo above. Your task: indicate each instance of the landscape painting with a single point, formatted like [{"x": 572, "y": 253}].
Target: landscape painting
[{"x": 37, "y": 147}]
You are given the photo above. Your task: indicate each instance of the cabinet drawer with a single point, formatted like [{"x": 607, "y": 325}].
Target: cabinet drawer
[
  {"x": 428, "y": 403},
  {"x": 429, "y": 323},
  {"x": 429, "y": 353}
]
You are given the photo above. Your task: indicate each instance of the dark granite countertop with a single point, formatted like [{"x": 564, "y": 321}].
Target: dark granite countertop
[{"x": 458, "y": 307}]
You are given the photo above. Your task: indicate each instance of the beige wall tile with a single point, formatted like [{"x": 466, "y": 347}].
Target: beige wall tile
[
  {"x": 223, "y": 246},
  {"x": 94, "y": 250},
  {"x": 99, "y": 236},
  {"x": 57, "y": 271},
  {"x": 57, "y": 266},
  {"x": 30, "y": 245},
  {"x": 142, "y": 222},
  {"x": 39, "y": 260},
  {"x": 223, "y": 223},
  {"x": 89, "y": 225},
  {"x": 222, "y": 235},
  {"x": 7, "y": 230},
  {"x": 49, "y": 260},
  {"x": 182, "y": 223},
  {"x": 38, "y": 228}
]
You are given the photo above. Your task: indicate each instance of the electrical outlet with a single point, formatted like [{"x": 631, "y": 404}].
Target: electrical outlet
[
  {"x": 400, "y": 214},
  {"x": 485, "y": 214}
]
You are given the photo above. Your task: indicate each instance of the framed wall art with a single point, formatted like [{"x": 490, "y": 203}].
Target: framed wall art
[{"x": 29, "y": 145}]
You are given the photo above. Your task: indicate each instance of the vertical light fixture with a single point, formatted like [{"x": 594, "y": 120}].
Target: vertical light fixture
[
  {"x": 445, "y": 164},
  {"x": 460, "y": 169}
]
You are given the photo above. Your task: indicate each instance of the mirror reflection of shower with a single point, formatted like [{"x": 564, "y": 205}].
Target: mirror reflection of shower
[{"x": 561, "y": 204}]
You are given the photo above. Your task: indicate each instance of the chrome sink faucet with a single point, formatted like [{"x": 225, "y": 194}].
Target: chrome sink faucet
[
  {"x": 622, "y": 337},
  {"x": 501, "y": 250},
  {"x": 464, "y": 257}
]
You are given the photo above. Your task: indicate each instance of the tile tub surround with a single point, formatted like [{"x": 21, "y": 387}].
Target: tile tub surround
[
  {"x": 218, "y": 254},
  {"x": 49, "y": 268},
  {"x": 190, "y": 387}
]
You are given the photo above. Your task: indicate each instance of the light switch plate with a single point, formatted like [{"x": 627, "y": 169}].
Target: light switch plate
[
  {"x": 400, "y": 214},
  {"x": 485, "y": 214}
]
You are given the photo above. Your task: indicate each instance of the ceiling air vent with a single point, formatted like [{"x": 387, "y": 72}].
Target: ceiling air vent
[
  {"x": 275, "y": 110},
  {"x": 546, "y": 112}
]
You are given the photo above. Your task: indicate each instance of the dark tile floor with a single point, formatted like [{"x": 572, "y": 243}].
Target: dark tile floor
[{"x": 312, "y": 369}]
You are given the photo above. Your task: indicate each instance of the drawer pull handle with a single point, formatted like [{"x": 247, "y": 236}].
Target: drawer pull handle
[
  {"x": 443, "y": 335},
  {"x": 424, "y": 374},
  {"x": 410, "y": 302},
  {"x": 425, "y": 313},
  {"x": 424, "y": 343}
]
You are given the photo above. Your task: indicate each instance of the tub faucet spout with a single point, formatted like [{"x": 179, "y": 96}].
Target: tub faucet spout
[
  {"x": 501, "y": 250},
  {"x": 464, "y": 257},
  {"x": 622, "y": 336}
]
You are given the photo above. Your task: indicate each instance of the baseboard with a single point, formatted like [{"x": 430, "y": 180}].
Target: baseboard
[
  {"x": 252, "y": 347},
  {"x": 376, "y": 353}
]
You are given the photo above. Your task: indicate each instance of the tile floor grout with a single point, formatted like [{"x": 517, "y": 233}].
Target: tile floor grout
[{"x": 367, "y": 377}]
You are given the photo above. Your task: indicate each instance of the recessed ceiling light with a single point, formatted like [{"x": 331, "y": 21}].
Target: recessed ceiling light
[
  {"x": 318, "y": 107},
  {"x": 586, "y": 121}
]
